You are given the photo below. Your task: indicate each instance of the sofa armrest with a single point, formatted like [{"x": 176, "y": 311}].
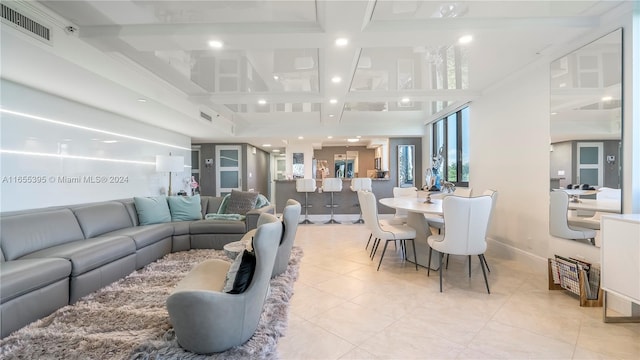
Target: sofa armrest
[{"x": 252, "y": 216}]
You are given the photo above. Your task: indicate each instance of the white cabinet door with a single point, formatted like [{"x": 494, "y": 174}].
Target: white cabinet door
[{"x": 621, "y": 255}]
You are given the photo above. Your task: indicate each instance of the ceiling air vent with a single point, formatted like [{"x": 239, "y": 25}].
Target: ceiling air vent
[
  {"x": 24, "y": 23},
  {"x": 205, "y": 116}
]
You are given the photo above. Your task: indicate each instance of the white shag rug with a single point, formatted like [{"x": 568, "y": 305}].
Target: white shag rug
[{"x": 128, "y": 319}]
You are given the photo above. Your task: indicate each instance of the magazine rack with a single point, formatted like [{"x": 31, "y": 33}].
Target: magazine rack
[{"x": 567, "y": 278}]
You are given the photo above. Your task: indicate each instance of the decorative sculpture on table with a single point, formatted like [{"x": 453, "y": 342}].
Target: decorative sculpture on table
[{"x": 432, "y": 175}]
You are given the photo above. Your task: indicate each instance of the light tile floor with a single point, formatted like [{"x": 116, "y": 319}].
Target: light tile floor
[{"x": 343, "y": 308}]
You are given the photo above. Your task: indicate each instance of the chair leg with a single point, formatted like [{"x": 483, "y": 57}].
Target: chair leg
[
  {"x": 447, "y": 267},
  {"x": 374, "y": 249},
  {"x": 415, "y": 256},
  {"x": 368, "y": 241},
  {"x": 306, "y": 210},
  {"x": 485, "y": 263},
  {"x": 332, "y": 206},
  {"x": 470, "y": 266},
  {"x": 429, "y": 261},
  {"x": 440, "y": 272},
  {"x": 383, "y": 251},
  {"x": 484, "y": 273}
]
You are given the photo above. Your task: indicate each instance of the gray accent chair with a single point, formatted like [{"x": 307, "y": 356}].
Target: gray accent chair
[
  {"x": 290, "y": 217},
  {"x": 207, "y": 320}
]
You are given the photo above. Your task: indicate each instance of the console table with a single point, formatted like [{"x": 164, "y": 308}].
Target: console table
[{"x": 620, "y": 261}]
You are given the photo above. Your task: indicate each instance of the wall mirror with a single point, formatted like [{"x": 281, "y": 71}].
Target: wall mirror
[
  {"x": 298, "y": 165},
  {"x": 586, "y": 127},
  {"x": 346, "y": 165},
  {"x": 406, "y": 166}
]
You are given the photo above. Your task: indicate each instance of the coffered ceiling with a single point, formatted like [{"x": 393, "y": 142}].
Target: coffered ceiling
[{"x": 273, "y": 69}]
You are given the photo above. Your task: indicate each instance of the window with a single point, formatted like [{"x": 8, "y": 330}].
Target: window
[{"x": 450, "y": 138}]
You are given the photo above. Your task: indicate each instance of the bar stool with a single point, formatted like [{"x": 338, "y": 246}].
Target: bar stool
[
  {"x": 332, "y": 185},
  {"x": 306, "y": 186},
  {"x": 357, "y": 184}
]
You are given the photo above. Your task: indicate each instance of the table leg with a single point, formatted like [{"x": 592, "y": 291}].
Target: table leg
[{"x": 419, "y": 222}]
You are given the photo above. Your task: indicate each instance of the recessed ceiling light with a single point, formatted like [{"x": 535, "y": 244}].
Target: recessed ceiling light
[
  {"x": 266, "y": 145},
  {"x": 405, "y": 100},
  {"x": 276, "y": 150},
  {"x": 336, "y": 79},
  {"x": 216, "y": 44},
  {"x": 329, "y": 137},
  {"x": 142, "y": 100},
  {"x": 607, "y": 98},
  {"x": 554, "y": 113},
  {"x": 342, "y": 41},
  {"x": 110, "y": 141},
  {"x": 262, "y": 101},
  {"x": 331, "y": 115},
  {"x": 333, "y": 101},
  {"x": 300, "y": 137},
  {"x": 276, "y": 77},
  {"x": 465, "y": 39},
  {"x": 353, "y": 140}
]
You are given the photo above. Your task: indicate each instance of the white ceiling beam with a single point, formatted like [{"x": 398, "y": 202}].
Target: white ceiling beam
[
  {"x": 197, "y": 29},
  {"x": 432, "y": 24}
]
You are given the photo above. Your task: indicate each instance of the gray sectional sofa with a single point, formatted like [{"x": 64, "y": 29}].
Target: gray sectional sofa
[{"x": 54, "y": 256}]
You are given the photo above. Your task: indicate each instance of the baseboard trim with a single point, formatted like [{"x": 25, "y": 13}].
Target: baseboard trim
[{"x": 536, "y": 263}]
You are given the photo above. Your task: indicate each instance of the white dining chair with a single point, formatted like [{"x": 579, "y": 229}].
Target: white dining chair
[
  {"x": 400, "y": 217},
  {"x": 358, "y": 184},
  {"x": 466, "y": 220},
  {"x": 558, "y": 220},
  {"x": 494, "y": 197},
  {"x": 437, "y": 222},
  {"x": 387, "y": 233}
]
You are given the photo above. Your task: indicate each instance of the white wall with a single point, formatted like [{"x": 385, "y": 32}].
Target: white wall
[
  {"x": 517, "y": 113},
  {"x": 45, "y": 149}
]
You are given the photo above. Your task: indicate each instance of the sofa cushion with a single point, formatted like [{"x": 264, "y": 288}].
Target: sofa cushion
[
  {"x": 185, "y": 208},
  {"x": 99, "y": 219},
  {"x": 89, "y": 254},
  {"x": 145, "y": 235},
  {"x": 130, "y": 205},
  {"x": 240, "y": 202},
  {"x": 217, "y": 227},
  {"x": 181, "y": 227},
  {"x": 152, "y": 210},
  {"x": 19, "y": 277},
  {"x": 25, "y": 233},
  {"x": 240, "y": 273}
]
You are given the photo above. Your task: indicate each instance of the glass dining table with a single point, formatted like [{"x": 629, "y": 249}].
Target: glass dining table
[{"x": 416, "y": 209}]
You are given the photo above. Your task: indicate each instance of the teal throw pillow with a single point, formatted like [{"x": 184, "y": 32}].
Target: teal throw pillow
[
  {"x": 185, "y": 208},
  {"x": 152, "y": 210},
  {"x": 262, "y": 201},
  {"x": 222, "y": 209}
]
